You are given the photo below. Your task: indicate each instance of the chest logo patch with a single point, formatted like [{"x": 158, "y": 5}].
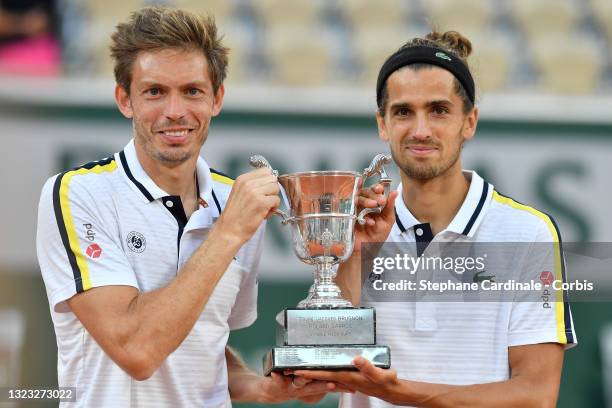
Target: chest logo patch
[{"x": 136, "y": 242}]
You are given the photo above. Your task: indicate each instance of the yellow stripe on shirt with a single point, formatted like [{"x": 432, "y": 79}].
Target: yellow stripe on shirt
[
  {"x": 559, "y": 307},
  {"x": 222, "y": 179},
  {"x": 64, "y": 200}
]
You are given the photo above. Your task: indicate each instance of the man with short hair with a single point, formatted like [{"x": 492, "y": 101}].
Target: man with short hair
[
  {"x": 149, "y": 257},
  {"x": 450, "y": 354}
]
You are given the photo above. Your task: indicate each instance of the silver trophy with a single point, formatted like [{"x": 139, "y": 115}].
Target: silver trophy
[{"x": 325, "y": 331}]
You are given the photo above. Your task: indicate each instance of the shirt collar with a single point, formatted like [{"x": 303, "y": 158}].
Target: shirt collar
[
  {"x": 469, "y": 216},
  {"x": 140, "y": 180}
]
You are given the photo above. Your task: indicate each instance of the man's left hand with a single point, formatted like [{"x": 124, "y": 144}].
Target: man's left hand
[
  {"x": 369, "y": 379},
  {"x": 280, "y": 388}
]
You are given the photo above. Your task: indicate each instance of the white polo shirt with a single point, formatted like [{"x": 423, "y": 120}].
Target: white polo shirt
[
  {"x": 108, "y": 223},
  {"x": 464, "y": 343}
]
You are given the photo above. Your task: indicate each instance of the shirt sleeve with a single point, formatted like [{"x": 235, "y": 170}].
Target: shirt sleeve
[
  {"x": 244, "y": 311},
  {"x": 549, "y": 319},
  {"x": 77, "y": 245}
]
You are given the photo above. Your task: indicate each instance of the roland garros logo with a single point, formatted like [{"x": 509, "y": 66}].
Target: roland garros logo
[{"x": 136, "y": 242}]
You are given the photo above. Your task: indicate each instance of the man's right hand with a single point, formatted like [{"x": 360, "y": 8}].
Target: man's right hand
[
  {"x": 375, "y": 230},
  {"x": 253, "y": 198}
]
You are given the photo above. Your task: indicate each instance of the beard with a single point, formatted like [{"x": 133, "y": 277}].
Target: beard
[
  {"x": 172, "y": 155},
  {"x": 427, "y": 171}
]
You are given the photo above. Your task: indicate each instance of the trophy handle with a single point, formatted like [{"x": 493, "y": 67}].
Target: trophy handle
[
  {"x": 258, "y": 161},
  {"x": 376, "y": 167}
]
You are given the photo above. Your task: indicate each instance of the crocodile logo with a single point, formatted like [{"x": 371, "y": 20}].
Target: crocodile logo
[
  {"x": 442, "y": 55},
  {"x": 479, "y": 277}
]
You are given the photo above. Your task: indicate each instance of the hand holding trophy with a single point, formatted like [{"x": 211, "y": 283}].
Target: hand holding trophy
[{"x": 325, "y": 331}]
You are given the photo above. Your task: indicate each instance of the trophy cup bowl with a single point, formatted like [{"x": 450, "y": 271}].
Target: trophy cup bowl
[{"x": 322, "y": 212}]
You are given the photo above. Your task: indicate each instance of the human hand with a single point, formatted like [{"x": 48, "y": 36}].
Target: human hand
[
  {"x": 369, "y": 379},
  {"x": 377, "y": 226},
  {"x": 253, "y": 198},
  {"x": 280, "y": 388}
]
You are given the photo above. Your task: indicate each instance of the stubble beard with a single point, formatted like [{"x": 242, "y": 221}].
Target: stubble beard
[
  {"x": 426, "y": 171},
  {"x": 171, "y": 157}
]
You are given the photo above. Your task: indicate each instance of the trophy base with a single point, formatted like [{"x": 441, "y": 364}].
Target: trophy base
[{"x": 324, "y": 357}]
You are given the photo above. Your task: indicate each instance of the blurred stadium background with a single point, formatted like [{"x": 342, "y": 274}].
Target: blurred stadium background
[{"x": 301, "y": 92}]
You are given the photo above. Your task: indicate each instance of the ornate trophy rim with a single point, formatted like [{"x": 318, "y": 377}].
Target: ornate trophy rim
[
  {"x": 322, "y": 215},
  {"x": 321, "y": 173}
]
